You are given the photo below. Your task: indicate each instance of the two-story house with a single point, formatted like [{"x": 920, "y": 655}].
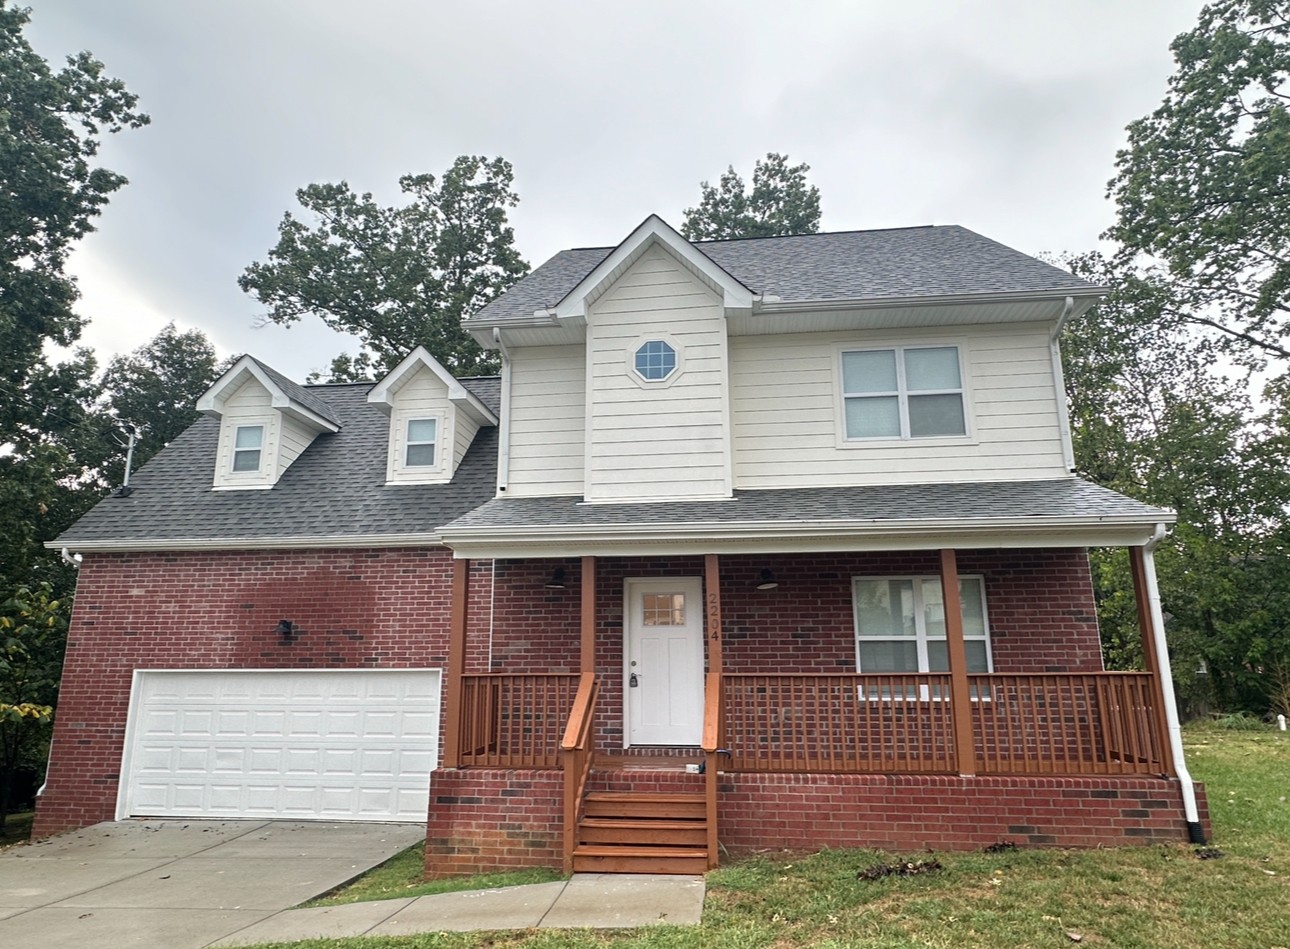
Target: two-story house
[{"x": 755, "y": 543}]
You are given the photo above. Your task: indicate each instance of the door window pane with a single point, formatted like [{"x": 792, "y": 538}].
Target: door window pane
[{"x": 663, "y": 609}]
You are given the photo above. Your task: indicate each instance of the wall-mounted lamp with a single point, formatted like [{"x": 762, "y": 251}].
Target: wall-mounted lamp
[
  {"x": 557, "y": 581},
  {"x": 766, "y": 580},
  {"x": 288, "y": 630}
]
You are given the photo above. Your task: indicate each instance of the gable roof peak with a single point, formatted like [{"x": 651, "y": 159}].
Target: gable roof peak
[
  {"x": 385, "y": 392},
  {"x": 284, "y": 394}
]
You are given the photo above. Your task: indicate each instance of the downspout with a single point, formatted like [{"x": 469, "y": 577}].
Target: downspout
[
  {"x": 504, "y": 423},
  {"x": 1195, "y": 832},
  {"x": 1063, "y": 412}
]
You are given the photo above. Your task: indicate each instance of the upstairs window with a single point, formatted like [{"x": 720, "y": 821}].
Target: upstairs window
[
  {"x": 655, "y": 360},
  {"x": 248, "y": 443},
  {"x": 903, "y": 392},
  {"x": 421, "y": 445}
]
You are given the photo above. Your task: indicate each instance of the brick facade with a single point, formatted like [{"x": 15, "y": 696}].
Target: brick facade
[
  {"x": 389, "y": 608},
  {"x": 377, "y": 609}
]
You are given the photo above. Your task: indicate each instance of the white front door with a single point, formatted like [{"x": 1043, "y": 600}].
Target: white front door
[{"x": 663, "y": 674}]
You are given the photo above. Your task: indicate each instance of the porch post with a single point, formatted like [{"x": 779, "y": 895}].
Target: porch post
[
  {"x": 456, "y": 664},
  {"x": 960, "y": 695},
  {"x": 712, "y": 597},
  {"x": 587, "y": 622},
  {"x": 1150, "y": 661}
]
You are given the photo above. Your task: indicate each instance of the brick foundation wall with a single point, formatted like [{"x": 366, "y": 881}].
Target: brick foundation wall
[
  {"x": 940, "y": 812},
  {"x": 483, "y": 820},
  {"x": 364, "y": 608}
]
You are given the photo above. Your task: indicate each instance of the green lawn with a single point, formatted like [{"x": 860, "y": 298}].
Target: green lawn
[{"x": 1151, "y": 897}]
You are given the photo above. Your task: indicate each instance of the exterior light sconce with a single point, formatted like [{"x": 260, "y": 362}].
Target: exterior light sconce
[
  {"x": 557, "y": 581},
  {"x": 288, "y": 630},
  {"x": 766, "y": 580}
]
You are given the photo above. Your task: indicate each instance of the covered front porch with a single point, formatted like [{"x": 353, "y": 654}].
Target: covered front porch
[{"x": 794, "y": 747}]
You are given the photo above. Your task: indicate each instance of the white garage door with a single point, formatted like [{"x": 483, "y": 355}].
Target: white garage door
[{"x": 294, "y": 744}]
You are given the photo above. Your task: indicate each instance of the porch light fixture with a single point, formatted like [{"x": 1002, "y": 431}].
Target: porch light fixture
[
  {"x": 557, "y": 580},
  {"x": 288, "y": 630},
  {"x": 766, "y": 580}
]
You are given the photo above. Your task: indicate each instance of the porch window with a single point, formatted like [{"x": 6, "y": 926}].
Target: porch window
[
  {"x": 900, "y": 624},
  {"x": 903, "y": 392}
]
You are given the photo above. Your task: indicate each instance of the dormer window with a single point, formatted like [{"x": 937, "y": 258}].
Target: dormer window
[
  {"x": 655, "y": 360},
  {"x": 248, "y": 442},
  {"x": 422, "y": 443}
]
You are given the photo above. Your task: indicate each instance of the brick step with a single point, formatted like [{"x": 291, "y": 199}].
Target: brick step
[
  {"x": 601, "y": 859},
  {"x": 642, "y": 804},
  {"x": 652, "y": 832}
]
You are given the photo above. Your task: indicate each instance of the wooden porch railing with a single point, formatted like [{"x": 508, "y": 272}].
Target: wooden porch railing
[
  {"x": 1075, "y": 723},
  {"x": 576, "y": 757},
  {"x": 1068, "y": 723},
  {"x": 841, "y": 723},
  {"x": 513, "y": 720}
]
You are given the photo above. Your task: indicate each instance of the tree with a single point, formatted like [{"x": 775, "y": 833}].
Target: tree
[
  {"x": 51, "y": 124},
  {"x": 33, "y": 634},
  {"x": 396, "y": 277},
  {"x": 152, "y": 392},
  {"x": 1202, "y": 191},
  {"x": 780, "y": 203},
  {"x": 1155, "y": 415}
]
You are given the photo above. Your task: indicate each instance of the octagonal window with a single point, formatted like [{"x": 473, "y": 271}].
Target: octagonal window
[{"x": 655, "y": 360}]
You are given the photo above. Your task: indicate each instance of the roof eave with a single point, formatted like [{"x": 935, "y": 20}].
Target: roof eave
[
  {"x": 276, "y": 542},
  {"x": 1057, "y": 294}
]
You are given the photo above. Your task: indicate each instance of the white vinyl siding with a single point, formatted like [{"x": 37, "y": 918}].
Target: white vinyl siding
[
  {"x": 657, "y": 441},
  {"x": 787, "y": 411},
  {"x": 295, "y": 438},
  {"x": 249, "y": 406},
  {"x": 424, "y": 397},
  {"x": 547, "y": 421}
]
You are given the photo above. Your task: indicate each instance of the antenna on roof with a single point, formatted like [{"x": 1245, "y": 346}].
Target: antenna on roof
[{"x": 125, "y": 490}]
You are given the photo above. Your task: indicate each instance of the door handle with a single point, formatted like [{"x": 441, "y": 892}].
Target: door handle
[{"x": 632, "y": 681}]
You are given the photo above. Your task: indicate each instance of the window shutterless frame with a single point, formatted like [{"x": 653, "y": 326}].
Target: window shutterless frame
[
  {"x": 900, "y": 630},
  {"x": 248, "y": 448},
  {"x": 902, "y": 392},
  {"x": 421, "y": 443}
]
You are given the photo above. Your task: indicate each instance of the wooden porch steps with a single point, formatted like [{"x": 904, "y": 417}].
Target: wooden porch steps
[{"x": 642, "y": 832}]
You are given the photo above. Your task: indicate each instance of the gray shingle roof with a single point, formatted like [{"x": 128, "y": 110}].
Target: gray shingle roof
[
  {"x": 1058, "y": 498},
  {"x": 849, "y": 265},
  {"x": 298, "y": 393},
  {"x": 336, "y": 488}
]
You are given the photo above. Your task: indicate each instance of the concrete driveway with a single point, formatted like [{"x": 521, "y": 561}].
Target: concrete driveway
[{"x": 178, "y": 884}]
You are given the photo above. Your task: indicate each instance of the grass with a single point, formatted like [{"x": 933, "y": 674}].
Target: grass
[
  {"x": 401, "y": 876},
  {"x": 17, "y": 829},
  {"x": 1132, "y": 897}
]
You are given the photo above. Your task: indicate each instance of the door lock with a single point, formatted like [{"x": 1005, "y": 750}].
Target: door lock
[{"x": 632, "y": 681}]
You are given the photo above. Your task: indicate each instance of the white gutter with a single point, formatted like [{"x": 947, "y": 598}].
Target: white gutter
[
  {"x": 504, "y": 423},
  {"x": 126, "y": 545},
  {"x": 1165, "y": 672},
  {"x": 939, "y": 299},
  {"x": 1059, "y": 379}
]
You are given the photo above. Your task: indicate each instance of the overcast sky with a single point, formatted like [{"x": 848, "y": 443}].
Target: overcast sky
[{"x": 1000, "y": 115}]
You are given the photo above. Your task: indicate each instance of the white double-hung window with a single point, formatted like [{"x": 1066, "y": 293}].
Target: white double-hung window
[
  {"x": 900, "y": 624},
  {"x": 903, "y": 392}
]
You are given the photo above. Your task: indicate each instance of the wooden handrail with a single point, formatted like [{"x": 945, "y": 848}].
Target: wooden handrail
[
  {"x": 575, "y": 732},
  {"x": 513, "y": 720},
  {"x": 576, "y": 757}
]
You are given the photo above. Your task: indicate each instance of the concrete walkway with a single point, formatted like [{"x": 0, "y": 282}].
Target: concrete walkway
[
  {"x": 176, "y": 884},
  {"x": 591, "y": 900}
]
